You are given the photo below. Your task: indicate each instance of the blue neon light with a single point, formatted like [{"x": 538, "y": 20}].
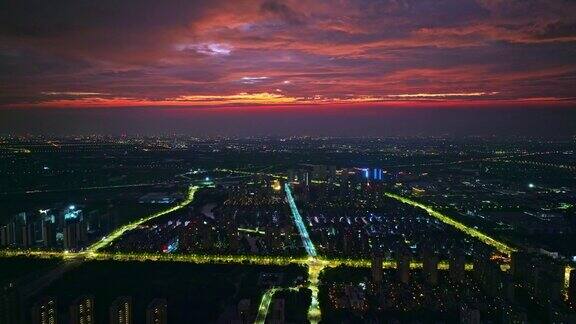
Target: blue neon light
[{"x": 308, "y": 245}]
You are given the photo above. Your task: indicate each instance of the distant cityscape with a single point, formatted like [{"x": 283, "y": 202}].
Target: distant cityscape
[
  {"x": 288, "y": 162},
  {"x": 287, "y": 230}
]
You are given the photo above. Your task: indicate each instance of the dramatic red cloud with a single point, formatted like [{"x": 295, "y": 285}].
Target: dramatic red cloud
[{"x": 286, "y": 52}]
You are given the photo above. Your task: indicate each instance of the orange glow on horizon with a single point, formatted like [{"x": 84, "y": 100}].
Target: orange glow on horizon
[{"x": 269, "y": 99}]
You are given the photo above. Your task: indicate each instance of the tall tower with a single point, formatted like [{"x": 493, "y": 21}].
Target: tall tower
[
  {"x": 157, "y": 312},
  {"x": 572, "y": 287},
  {"x": 403, "y": 264},
  {"x": 430, "y": 266},
  {"x": 27, "y": 234},
  {"x": 45, "y": 311},
  {"x": 10, "y": 304},
  {"x": 82, "y": 310},
  {"x": 121, "y": 311},
  {"x": 377, "y": 270},
  {"x": 457, "y": 266},
  {"x": 70, "y": 236},
  {"x": 48, "y": 233}
]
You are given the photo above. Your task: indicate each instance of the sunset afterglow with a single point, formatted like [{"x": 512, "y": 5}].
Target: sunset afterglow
[{"x": 228, "y": 53}]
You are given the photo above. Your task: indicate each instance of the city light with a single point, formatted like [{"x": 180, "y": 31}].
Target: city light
[
  {"x": 265, "y": 305},
  {"x": 308, "y": 245},
  {"x": 116, "y": 234},
  {"x": 279, "y": 161},
  {"x": 500, "y": 246},
  {"x": 314, "y": 263}
]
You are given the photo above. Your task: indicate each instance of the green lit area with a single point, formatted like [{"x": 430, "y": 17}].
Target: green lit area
[
  {"x": 251, "y": 230},
  {"x": 120, "y": 231},
  {"x": 313, "y": 262},
  {"x": 567, "y": 271},
  {"x": 500, "y": 246},
  {"x": 264, "y": 305},
  {"x": 216, "y": 259}
]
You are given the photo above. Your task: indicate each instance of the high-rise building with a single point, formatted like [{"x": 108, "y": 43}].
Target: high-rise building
[
  {"x": 70, "y": 236},
  {"x": 469, "y": 315},
  {"x": 13, "y": 234},
  {"x": 550, "y": 283},
  {"x": 10, "y": 304},
  {"x": 304, "y": 177},
  {"x": 347, "y": 239},
  {"x": 157, "y": 312},
  {"x": 513, "y": 315},
  {"x": 121, "y": 311},
  {"x": 430, "y": 266},
  {"x": 277, "y": 315},
  {"x": 74, "y": 234},
  {"x": 541, "y": 275},
  {"x": 332, "y": 171},
  {"x": 27, "y": 234},
  {"x": 244, "y": 310},
  {"x": 457, "y": 267},
  {"x": 82, "y": 310},
  {"x": 45, "y": 311},
  {"x": 403, "y": 264},
  {"x": 572, "y": 287},
  {"x": 6, "y": 235},
  {"x": 508, "y": 287},
  {"x": 377, "y": 270},
  {"x": 524, "y": 266},
  {"x": 48, "y": 233},
  {"x": 377, "y": 174},
  {"x": 319, "y": 172},
  {"x": 557, "y": 314}
]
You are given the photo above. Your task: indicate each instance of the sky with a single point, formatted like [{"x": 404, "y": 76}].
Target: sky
[{"x": 333, "y": 61}]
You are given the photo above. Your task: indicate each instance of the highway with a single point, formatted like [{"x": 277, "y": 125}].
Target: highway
[
  {"x": 315, "y": 265},
  {"x": 500, "y": 246},
  {"x": 302, "y": 230},
  {"x": 213, "y": 259},
  {"x": 107, "y": 240},
  {"x": 35, "y": 287}
]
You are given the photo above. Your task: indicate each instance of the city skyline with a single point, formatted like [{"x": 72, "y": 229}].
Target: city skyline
[
  {"x": 302, "y": 229},
  {"x": 287, "y": 161},
  {"x": 533, "y": 122}
]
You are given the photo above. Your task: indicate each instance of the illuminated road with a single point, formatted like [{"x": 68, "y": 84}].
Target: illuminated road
[
  {"x": 264, "y": 305},
  {"x": 135, "y": 185},
  {"x": 315, "y": 267},
  {"x": 120, "y": 231},
  {"x": 266, "y": 300},
  {"x": 15, "y": 149},
  {"x": 308, "y": 245},
  {"x": 36, "y": 286},
  {"x": 500, "y": 246},
  {"x": 251, "y": 173},
  {"x": 73, "y": 260},
  {"x": 213, "y": 259},
  {"x": 198, "y": 258},
  {"x": 567, "y": 272},
  {"x": 314, "y": 263}
]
